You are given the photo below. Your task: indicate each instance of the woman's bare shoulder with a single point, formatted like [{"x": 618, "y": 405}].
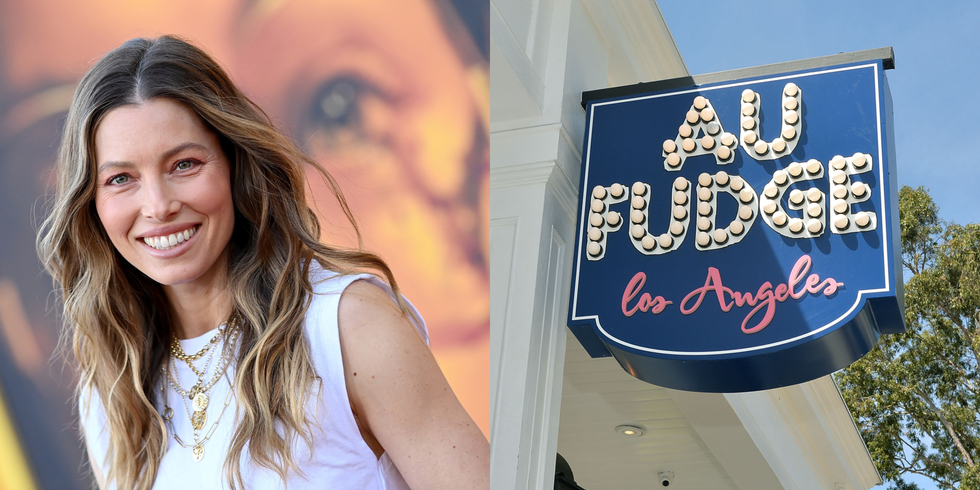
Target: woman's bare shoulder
[
  {"x": 396, "y": 385},
  {"x": 366, "y": 305}
]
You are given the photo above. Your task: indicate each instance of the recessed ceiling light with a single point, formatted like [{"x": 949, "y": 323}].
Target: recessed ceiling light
[{"x": 630, "y": 430}]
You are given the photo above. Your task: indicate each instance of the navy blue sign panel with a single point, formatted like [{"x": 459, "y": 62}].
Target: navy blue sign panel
[{"x": 741, "y": 235}]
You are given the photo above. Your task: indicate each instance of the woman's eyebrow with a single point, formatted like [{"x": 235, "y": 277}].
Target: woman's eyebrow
[
  {"x": 181, "y": 147},
  {"x": 166, "y": 155},
  {"x": 107, "y": 165}
]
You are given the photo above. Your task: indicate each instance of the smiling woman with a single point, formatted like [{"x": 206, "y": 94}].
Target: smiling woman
[
  {"x": 208, "y": 318},
  {"x": 163, "y": 194}
]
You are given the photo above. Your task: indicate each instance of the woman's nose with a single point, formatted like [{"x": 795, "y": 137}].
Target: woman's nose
[{"x": 159, "y": 200}]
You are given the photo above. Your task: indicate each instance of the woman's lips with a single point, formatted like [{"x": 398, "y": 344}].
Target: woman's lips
[{"x": 166, "y": 242}]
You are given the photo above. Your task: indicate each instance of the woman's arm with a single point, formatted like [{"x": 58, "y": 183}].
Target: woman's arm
[{"x": 401, "y": 396}]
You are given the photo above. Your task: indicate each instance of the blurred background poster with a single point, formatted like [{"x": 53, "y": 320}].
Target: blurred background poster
[{"x": 392, "y": 97}]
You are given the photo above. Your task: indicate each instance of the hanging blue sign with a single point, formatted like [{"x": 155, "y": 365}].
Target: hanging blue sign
[{"x": 739, "y": 235}]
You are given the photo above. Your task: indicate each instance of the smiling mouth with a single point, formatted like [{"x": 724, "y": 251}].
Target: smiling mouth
[{"x": 170, "y": 241}]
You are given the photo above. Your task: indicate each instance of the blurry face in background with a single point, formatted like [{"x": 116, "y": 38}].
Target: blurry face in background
[{"x": 377, "y": 93}]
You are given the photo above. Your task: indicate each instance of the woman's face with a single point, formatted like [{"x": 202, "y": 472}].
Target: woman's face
[
  {"x": 163, "y": 192},
  {"x": 392, "y": 113}
]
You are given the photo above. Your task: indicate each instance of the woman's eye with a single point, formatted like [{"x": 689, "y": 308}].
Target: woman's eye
[
  {"x": 337, "y": 104},
  {"x": 184, "y": 165},
  {"x": 118, "y": 179}
]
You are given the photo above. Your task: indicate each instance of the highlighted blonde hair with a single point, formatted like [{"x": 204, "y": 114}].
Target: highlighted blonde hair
[{"x": 119, "y": 322}]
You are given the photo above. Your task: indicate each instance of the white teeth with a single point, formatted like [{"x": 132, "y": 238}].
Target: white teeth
[{"x": 170, "y": 241}]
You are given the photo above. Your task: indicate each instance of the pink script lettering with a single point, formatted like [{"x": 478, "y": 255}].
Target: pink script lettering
[
  {"x": 646, "y": 302},
  {"x": 766, "y": 296}
]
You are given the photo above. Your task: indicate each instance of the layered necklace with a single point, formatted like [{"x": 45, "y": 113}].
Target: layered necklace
[{"x": 199, "y": 395}]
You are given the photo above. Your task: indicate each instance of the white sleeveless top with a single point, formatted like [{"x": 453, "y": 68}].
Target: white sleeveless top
[{"x": 340, "y": 458}]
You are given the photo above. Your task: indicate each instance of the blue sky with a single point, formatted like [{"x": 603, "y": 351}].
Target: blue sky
[{"x": 933, "y": 86}]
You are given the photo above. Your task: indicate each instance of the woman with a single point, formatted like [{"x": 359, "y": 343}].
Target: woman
[{"x": 218, "y": 339}]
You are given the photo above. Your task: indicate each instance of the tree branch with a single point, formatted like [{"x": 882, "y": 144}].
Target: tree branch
[
  {"x": 966, "y": 331},
  {"x": 911, "y": 266},
  {"x": 949, "y": 427}
]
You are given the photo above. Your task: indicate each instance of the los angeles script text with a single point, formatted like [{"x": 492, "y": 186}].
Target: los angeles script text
[{"x": 765, "y": 299}]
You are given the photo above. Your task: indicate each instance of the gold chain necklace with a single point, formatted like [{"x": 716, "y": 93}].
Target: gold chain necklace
[
  {"x": 178, "y": 352},
  {"x": 200, "y": 374},
  {"x": 198, "y": 394},
  {"x": 200, "y": 387}
]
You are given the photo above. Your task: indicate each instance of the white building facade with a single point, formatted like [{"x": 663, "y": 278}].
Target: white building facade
[{"x": 548, "y": 396}]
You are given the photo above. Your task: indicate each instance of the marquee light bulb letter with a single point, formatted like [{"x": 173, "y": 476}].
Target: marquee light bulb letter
[
  {"x": 602, "y": 221},
  {"x": 701, "y": 133},
  {"x": 846, "y": 192},
  {"x": 813, "y": 221},
  {"x": 750, "y": 132},
  {"x": 680, "y": 217},
  {"x": 708, "y": 236}
]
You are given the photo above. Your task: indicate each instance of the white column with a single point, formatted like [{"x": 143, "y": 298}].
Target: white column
[
  {"x": 543, "y": 55},
  {"x": 531, "y": 232},
  {"x": 534, "y": 173}
]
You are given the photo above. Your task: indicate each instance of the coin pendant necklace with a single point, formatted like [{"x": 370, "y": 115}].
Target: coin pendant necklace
[
  {"x": 199, "y": 417},
  {"x": 197, "y": 448},
  {"x": 198, "y": 393},
  {"x": 199, "y": 399}
]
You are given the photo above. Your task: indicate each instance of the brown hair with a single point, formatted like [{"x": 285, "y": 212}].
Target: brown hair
[{"x": 119, "y": 321}]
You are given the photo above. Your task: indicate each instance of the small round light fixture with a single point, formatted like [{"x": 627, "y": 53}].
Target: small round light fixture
[{"x": 629, "y": 430}]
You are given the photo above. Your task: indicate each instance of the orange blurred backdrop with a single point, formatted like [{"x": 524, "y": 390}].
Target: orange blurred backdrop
[{"x": 392, "y": 97}]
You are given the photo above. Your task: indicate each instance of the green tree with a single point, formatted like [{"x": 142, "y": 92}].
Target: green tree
[{"x": 916, "y": 396}]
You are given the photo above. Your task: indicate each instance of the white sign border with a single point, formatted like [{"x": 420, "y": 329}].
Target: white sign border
[{"x": 882, "y": 221}]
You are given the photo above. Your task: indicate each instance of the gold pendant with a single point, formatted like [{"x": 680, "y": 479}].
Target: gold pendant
[
  {"x": 194, "y": 391},
  {"x": 168, "y": 413},
  {"x": 198, "y": 451},
  {"x": 198, "y": 419},
  {"x": 200, "y": 402}
]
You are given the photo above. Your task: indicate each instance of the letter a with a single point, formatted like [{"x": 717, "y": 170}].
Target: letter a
[{"x": 700, "y": 134}]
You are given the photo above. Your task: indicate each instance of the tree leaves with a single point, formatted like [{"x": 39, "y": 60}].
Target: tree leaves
[{"x": 916, "y": 396}]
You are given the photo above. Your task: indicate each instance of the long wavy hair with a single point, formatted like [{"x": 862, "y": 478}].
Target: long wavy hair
[{"x": 119, "y": 322}]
